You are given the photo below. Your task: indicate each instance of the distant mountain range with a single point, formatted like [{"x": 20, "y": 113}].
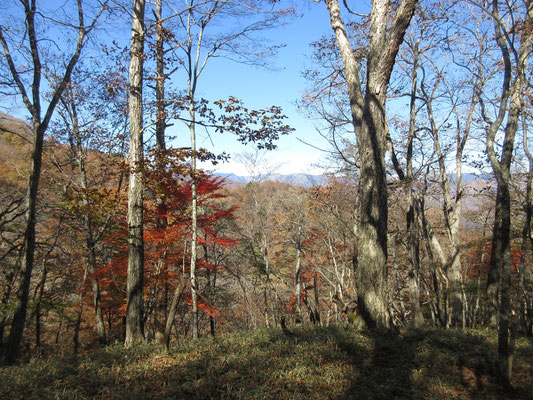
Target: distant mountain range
[
  {"x": 308, "y": 180},
  {"x": 470, "y": 177},
  {"x": 299, "y": 179}
]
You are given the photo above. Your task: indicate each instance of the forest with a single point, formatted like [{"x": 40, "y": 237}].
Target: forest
[{"x": 403, "y": 272}]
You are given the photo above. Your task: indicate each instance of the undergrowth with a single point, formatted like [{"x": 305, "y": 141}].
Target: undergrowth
[{"x": 312, "y": 363}]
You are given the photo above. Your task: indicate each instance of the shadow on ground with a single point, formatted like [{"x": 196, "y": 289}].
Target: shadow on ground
[{"x": 309, "y": 363}]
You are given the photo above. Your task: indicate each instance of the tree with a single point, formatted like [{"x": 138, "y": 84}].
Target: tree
[
  {"x": 134, "y": 310},
  {"x": 30, "y": 92},
  {"x": 161, "y": 78},
  {"x": 367, "y": 104},
  {"x": 508, "y": 112},
  {"x": 522, "y": 310}
]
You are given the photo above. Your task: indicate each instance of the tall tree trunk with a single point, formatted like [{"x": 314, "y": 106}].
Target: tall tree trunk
[
  {"x": 505, "y": 351},
  {"x": 77, "y": 325},
  {"x": 411, "y": 220},
  {"x": 97, "y": 297},
  {"x": 317, "y": 301},
  {"x": 372, "y": 241},
  {"x": 174, "y": 303},
  {"x": 521, "y": 303},
  {"x": 160, "y": 314},
  {"x": 493, "y": 276},
  {"x": 135, "y": 284},
  {"x": 194, "y": 69},
  {"x": 509, "y": 109},
  {"x": 414, "y": 263},
  {"x": 434, "y": 268},
  {"x": 194, "y": 233},
  {"x": 369, "y": 120},
  {"x": 172, "y": 313},
  {"x": 38, "y": 303},
  {"x": 267, "y": 291},
  {"x": 211, "y": 287},
  {"x": 298, "y": 277},
  {"x": 161, "y": 117},
  {"x": 90, "y": 241}
]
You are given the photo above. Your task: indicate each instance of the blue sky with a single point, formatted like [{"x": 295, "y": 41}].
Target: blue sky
[{"x": 283, "y": 85}]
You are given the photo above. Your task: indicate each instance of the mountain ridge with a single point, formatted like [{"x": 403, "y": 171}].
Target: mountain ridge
[
  {"x": 298, "y": 179},
  {"x": 308, "y": 180}
]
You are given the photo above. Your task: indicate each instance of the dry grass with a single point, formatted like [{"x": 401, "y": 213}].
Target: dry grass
[{"x": 314, "y": 363}]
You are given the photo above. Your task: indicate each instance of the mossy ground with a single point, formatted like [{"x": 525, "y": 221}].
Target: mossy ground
[{"x": 313, "y": 363}]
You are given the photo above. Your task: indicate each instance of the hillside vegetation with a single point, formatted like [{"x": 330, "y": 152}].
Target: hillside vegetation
[
  {"x": 311, "y": 363},
  {"x": 117, "y": 229}
]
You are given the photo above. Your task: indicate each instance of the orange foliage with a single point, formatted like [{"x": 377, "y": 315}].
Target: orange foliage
[
  {"x": 210, "y": 310},
  {"x": 477, "y": 261},
  {"x": 167, "y": 226}
]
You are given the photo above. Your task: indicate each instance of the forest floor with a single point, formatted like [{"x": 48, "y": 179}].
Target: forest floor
[{"x": 311, "y": 363}]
